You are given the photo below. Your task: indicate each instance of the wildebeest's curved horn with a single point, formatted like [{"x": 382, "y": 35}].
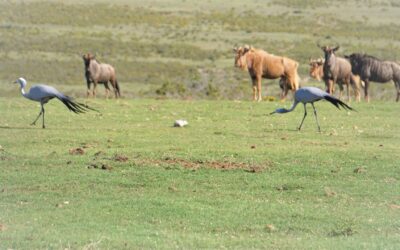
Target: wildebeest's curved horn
[
  {"x": 246, "y": 47},
  {"x": 336, "y": 48}
]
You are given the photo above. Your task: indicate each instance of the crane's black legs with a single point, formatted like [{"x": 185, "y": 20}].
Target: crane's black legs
[
  {"x": 43, "y": 117},
  {"x": 40, "y": 113},
  {"x": 305, "y": 114},
  {"x": 37, "y": 118},
  {"x": 316, "y": 117},
  {"x": 304, "y": 117}
]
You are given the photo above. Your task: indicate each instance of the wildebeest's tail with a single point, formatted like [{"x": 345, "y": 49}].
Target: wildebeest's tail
[
  {"x": 337, "y": 102},
  {"x": 74, "y": 106}
]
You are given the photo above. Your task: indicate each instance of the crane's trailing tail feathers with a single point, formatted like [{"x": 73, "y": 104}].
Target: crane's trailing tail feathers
[
  {"x": 75, "y": 107},
  {"x": 338, "y": 102}
]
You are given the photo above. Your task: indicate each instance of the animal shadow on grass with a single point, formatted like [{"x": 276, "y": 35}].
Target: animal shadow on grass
[
  {"x": 8, "y": 127},
  {"x": 36, "y": 127}
]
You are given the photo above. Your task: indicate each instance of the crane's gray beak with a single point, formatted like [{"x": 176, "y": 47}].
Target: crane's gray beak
[{"x": 15, "y": 82}]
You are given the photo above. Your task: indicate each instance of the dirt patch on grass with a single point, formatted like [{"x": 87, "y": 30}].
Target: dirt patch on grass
[
  {"x": 102, "y": 166},
  {"x": 359, "y": 170},
  {"x": 196, "y": 164},
  {"x": 76, "y": 151},
  {"x": 98, "y": 153},
  {"x": 348, "y": 231},
  {"x": 120, "y": 158}
]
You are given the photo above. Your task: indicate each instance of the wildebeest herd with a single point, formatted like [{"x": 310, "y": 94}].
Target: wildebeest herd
[{"x": 355, "y": 70}]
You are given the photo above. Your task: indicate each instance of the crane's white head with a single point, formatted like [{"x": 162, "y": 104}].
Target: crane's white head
[
  {"x": 21, "y": 81},
  {"x": 280, "y": 111}
]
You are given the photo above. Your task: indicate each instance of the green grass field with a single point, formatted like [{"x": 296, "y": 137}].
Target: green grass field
[{"x": 235, "y": 177}]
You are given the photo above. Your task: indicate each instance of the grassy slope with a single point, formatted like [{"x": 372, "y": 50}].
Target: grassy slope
[
  {"x": 165, "y": 196},
  {"x": 184, "y": 42}
]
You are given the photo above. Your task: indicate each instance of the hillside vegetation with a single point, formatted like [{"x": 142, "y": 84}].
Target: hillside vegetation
[{"x": 183, "y": 49}]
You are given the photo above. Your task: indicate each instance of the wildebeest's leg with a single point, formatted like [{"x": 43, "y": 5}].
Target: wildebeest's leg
[
  {"x": 340, "y": 90},
  {"x": 366, "y": 96},
  {"x": 355, "y": 85},
  {"x": 107, "y": 89},
  {"x": 285, "y": 88},
  {"x": 331, "y": 86},
  {"x": 397, "y": 84},
  {"x": 94, "y": 88},
  {"x": 259, "y": 88},
  {"x": 114, "y": 84},
  {"x": 316, "y": 117},
  {"x": 254, "y": 82},
  {"x": 327, "y": 84},
  {"x": 254, "y": 92},
  {"x": 304, "y": 117},
  {"x": 88, "y": 88}
]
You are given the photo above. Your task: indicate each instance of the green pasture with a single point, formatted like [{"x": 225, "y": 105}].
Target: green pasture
[{"x": 233, "y": 178}]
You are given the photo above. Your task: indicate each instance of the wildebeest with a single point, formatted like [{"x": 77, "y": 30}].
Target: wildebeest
[
  {"x": 316, "y": 68},
  {"x": 261, "y": 64},
  {"x": 96, "y": 72},
  {"x": 373, "y": 69},
  {"x": 317, "y": 72},
  {"x": 338, "y": 70}
]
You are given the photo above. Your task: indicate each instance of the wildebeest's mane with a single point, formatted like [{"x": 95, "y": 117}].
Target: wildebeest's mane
[{"x": 366, "y": 56}]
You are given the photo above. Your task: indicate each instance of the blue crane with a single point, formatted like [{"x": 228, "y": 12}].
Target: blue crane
[
  {"x": 310, "y": 95},
  {"x": 44, "y": 93}
]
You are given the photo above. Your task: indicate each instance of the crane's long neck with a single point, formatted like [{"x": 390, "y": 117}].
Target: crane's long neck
[
  {"x": 22, "y": 86},
  {"x": 283, "y": 110},
  {"x": 23, "y": 91},
  {"x": 293, "y": 106}
]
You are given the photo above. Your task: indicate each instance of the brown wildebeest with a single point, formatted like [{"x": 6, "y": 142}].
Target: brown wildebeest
[
  {"x": 96, "y": 72},
  {"x": 338, "y": 70},
  {"x": 373, "y": 69},
  {"x": 316, "y": 68},
  {"x": 261, "y": 64},
  {"x": 317, "y": 72}
]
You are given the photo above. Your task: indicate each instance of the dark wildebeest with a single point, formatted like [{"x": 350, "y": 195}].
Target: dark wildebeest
[
  {"x": 373, "y": 69},
  {"x": 261, "y": 64},
  {"x": 317, "y": 72},
  {"x": 338, "y": 70},
  {"x": 96, "y": 72}
]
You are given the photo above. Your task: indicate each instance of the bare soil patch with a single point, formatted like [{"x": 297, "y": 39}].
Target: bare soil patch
[
  {"x": 196, "y": 164},
  {"x": 76, "y": 151}
]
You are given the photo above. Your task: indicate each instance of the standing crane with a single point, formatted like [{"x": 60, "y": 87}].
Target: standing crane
[
  {"x": 44, "y": 93},
  {"x": 310, "y": 95}
]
